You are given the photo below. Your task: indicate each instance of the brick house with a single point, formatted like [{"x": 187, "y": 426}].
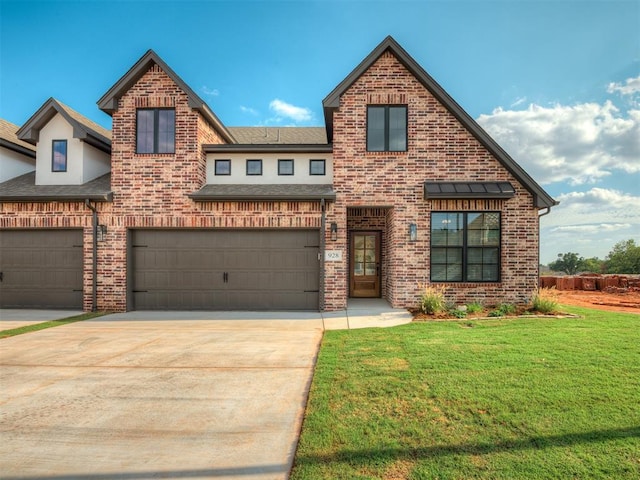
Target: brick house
[{"x": 172, "y": 209}]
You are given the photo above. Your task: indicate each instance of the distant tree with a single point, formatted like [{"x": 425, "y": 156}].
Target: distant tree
[
  {"x": 624, "y": 258},
  {"x": 593, "y": 265},
  {"x": 568, "y": 263}
]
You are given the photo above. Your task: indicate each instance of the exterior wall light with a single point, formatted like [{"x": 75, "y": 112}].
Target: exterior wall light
[
  {"x": 102, "y": 233},
  {"x": 334, "y": 231},
  {"x": 413, "y": 232}
]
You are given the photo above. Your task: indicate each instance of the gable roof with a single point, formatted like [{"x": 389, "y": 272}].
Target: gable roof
[
  {"x": 332, "y": 102},
  {"x": 83, "y": 128},
  {"x": 109, "y": 101},
  {"x": 9, "y": 139}
]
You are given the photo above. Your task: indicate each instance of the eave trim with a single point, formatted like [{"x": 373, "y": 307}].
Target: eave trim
[{"x": 101, "y": 197}]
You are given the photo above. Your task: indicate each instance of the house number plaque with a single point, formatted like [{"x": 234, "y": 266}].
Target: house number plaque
[{"x": 333, "y": 255}]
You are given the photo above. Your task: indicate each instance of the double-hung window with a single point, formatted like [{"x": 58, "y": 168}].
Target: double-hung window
[
  {"x": 386, "y": 128},
  {"x": 155, "y": 130},
  {"x": 465, "y": 247}
]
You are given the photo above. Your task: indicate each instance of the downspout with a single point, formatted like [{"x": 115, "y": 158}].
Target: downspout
[
  {"x": 323, "y": 224},
  {"x": 538, "y": 265},
  {"x": 94, "y": 300}
]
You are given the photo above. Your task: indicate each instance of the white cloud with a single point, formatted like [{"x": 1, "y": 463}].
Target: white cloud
[
  {"x": 593, "y": 228},
  {"x": 518, "y": 101},
  {"x": 589, "y": 223},
  {"x": 630, "y": 87},
  {"x": 576, "y": 144},
  {"x": 284, "y": 110},
  {"x": 595, "y": 206},
  {"x": 210, "y": 92},
  {"x": 249, "y": 110}
]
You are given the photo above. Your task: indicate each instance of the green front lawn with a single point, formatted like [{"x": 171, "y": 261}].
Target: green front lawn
[
  {"x": 495, "y": 399},
  {"x": 34, "y": 327}
]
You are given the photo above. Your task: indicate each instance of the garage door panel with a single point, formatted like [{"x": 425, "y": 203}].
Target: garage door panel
[
  {"x": 41, "y": 268},
  {"x": 225, "y": 269}
]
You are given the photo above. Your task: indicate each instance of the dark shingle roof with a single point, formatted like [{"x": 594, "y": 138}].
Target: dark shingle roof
[
  {"x": 24, "y": 189},
  {"x": 264, "y": 192},
  {"x": 9, "y": 139},
  {"x": 468, "y": 190},
  {"x": 280, "y": 135},
  {"x": 83, "y": 128}
]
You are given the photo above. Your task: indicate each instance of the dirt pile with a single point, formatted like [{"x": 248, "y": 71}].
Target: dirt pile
[{"x": 613, "y": 301}]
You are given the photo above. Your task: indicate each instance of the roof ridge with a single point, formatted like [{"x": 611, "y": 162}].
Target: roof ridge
[
  {"x": 85, "y": 121},
  {"x": 108, "y": 103}
]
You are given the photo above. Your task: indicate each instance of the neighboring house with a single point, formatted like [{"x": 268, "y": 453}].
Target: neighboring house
[
  {"x": 16, "y": 156},
  {"x": 399, "y": 190}
]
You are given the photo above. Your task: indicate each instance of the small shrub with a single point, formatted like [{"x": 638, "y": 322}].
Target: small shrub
[
  {"x": 503, "y": 310},
  {"x": 432, "y": 300},
  {"x": 458, "y": 313},
  {"x": 545, "y": 300},
  {"x": 475, "y": 307}
]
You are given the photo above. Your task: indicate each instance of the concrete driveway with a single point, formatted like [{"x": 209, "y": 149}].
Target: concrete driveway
[{"x": 130, "y": 397}]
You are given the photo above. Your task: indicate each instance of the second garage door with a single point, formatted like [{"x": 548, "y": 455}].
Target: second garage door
[{"x": 225, "y": 269}]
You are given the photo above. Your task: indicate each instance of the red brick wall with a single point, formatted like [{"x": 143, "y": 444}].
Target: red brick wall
[
  {"x": 439, "y": 149},
  {"x": 151, "y": 191}
]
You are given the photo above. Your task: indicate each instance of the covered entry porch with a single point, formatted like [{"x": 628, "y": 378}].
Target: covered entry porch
[{"x": 368, "y": 252}]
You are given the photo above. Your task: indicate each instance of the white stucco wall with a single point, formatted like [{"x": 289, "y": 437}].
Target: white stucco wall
[
  {"x": 84, "y": 162},
  {"x": 269, "y": 169},
  {"x": 58, "y": 129},
  {"x": 14, "y": 164},
  {"x": 95, "y": 163}
]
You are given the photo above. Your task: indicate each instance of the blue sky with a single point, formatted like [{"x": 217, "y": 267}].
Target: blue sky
[{"x": 556, "y": 83}]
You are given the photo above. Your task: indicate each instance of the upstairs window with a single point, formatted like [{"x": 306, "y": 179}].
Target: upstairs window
[
  {"x": 223, "y": 167},
  {"x": 254, "y": 167},
  {"x": 386, "y": 128},
  {"x": 59, "y": 156},
  {"x": 155, "y": 130},
  {"x": 317, "y": 167},
  {"x": 465, "y": 247},
  {"x": 285, "y": 167}
]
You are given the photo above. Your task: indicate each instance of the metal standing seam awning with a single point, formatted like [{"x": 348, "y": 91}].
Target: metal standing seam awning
[{"x": 468, "y": 190}]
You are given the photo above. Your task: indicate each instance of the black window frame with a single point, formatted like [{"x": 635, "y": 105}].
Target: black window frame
[
  {"x": 324, "y": 166},
  {"x": 465, "y": 251},
  {"x": 155, "y": 132},
  {"x": 387, "y": 110},
  {"x": 281, "y": 161},
  {"x": 222, "y": 161},
  {"x": 249, "y": 161},
  {"x": 53, "y": 155}
]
